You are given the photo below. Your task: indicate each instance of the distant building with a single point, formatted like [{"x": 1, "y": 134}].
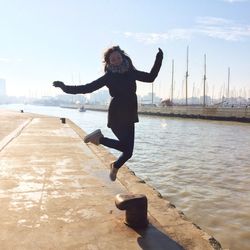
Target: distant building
[
  {"x": 2, "y": 87},
  {"x": 100, "y": 97},
  {"x": 149, "y": 99}
]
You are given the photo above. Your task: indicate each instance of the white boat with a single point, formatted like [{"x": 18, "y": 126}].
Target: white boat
[{"x": 82, "y": 109}]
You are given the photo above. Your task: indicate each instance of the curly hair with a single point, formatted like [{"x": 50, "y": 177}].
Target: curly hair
[{"x": 109, "y": 51}]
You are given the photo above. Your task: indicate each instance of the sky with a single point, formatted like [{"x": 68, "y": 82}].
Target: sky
[{"x": 44, "y": 41}]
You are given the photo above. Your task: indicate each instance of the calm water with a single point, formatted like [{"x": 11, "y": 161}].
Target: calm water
[{"x": 201, "y": 166}]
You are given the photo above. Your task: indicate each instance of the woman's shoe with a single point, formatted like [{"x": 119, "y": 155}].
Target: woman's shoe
[
  {"x": 113, "y": 172},
  {"x": 94, "y": 137}
]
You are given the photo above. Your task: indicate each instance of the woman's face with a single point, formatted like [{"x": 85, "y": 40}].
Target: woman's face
[{"x": 115, "y": 58}]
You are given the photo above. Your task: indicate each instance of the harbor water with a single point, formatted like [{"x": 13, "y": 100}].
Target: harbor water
[{"x": 201, "y": 166}]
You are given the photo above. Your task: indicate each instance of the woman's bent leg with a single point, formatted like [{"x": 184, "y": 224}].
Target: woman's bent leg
[
  {"x": 111, "y": 143},
  {"x": 125, "y": 143},
  {"x": 126, "y": 136}
]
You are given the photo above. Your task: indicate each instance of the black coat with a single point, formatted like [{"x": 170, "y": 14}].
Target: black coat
[{"x": 122, "y": 88}]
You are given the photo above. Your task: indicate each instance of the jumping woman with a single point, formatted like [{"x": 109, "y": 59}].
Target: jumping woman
[{"x": 120, "y": 78}]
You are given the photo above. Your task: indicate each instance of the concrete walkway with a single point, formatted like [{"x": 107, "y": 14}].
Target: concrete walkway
[{"x": 55, "y": 194}]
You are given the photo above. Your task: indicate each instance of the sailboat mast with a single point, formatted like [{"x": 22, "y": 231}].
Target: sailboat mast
[
  {"x": 187, "y": 79},
  {"x": 172, "y": 84},
  {"x": 152, "y": 94},
  {"x": 204, "y": 82},
  {"x": 228, "y": 82}
]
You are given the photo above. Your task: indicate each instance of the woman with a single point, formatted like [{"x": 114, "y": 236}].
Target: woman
[{"x": 120, "y": 78}]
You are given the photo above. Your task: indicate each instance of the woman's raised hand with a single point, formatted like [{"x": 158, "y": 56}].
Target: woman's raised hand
[
  {"x": 58, "y": 84},
  {"x": 160, "y": 53}
]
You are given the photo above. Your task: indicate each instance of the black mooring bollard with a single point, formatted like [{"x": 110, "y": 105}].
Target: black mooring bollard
[
  {"x": 63, "y": 120},
  {"x": 136, "y": 206}
]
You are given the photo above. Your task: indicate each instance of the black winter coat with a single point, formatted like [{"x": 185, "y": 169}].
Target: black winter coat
[{"x": 122, "y": 88}]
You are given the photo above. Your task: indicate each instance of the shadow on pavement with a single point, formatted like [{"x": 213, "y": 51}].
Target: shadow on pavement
[{"x": 151, "y": 238}]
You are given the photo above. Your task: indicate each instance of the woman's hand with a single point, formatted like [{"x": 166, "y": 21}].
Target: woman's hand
[
  {"x": 58, "y": 84},
  {"x": 159, "y": 54}
]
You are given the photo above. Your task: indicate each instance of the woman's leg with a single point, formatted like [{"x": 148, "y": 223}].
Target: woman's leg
[
  {"x": 125, "y": 143},
  {"x": 111, "y": 143}
]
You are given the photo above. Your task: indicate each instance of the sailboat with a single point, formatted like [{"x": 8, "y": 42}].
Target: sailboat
[{"x": 81, "y": 108}]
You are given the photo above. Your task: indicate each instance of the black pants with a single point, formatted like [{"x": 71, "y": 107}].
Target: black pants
[{"x": 125, "y": 143}]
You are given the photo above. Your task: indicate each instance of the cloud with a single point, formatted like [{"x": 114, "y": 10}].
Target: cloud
[
  {"x": 5, "y": 60},
  {"x": 235, "y": 1},
  {"x": 9, "y": 60},
  {"x": 222, "y": 28},
  {"x": 152, "y": 38},
  {"x": 214, "y": 27},
  {"x": 213, "y": 21}
]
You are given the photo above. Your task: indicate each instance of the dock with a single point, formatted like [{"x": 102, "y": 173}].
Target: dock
[{"x": 56, "y": 194}]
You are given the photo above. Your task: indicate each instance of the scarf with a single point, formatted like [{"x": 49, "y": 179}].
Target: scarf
[{"x": 122, "y": 68}]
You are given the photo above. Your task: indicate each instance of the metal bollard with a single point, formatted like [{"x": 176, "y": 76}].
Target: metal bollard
[
  {"x": 63, "y": 120},
  {"x": 136, "y": 206}
]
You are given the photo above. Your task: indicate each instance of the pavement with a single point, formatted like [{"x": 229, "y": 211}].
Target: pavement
[{"x": 55, "y": 193}]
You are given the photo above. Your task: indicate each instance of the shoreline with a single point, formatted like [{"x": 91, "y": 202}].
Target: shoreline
[{"x": 192, "y": 112}]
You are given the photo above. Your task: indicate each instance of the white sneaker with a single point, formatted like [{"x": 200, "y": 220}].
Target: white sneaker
[
  {"x": 94, "y": 137},
  {"x": 113, "y": 172}
]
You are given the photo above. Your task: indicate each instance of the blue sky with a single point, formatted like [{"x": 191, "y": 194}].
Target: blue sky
[{"x": 43, "y": 41}]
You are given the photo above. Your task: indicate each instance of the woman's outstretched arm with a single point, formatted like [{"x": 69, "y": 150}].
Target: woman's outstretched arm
[
  {"x": 81, "y": 89},
  {"x": 150, "y": 77}
]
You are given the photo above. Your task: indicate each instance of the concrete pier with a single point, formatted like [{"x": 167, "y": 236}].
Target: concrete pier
[{"x": 55, "y": 193}]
